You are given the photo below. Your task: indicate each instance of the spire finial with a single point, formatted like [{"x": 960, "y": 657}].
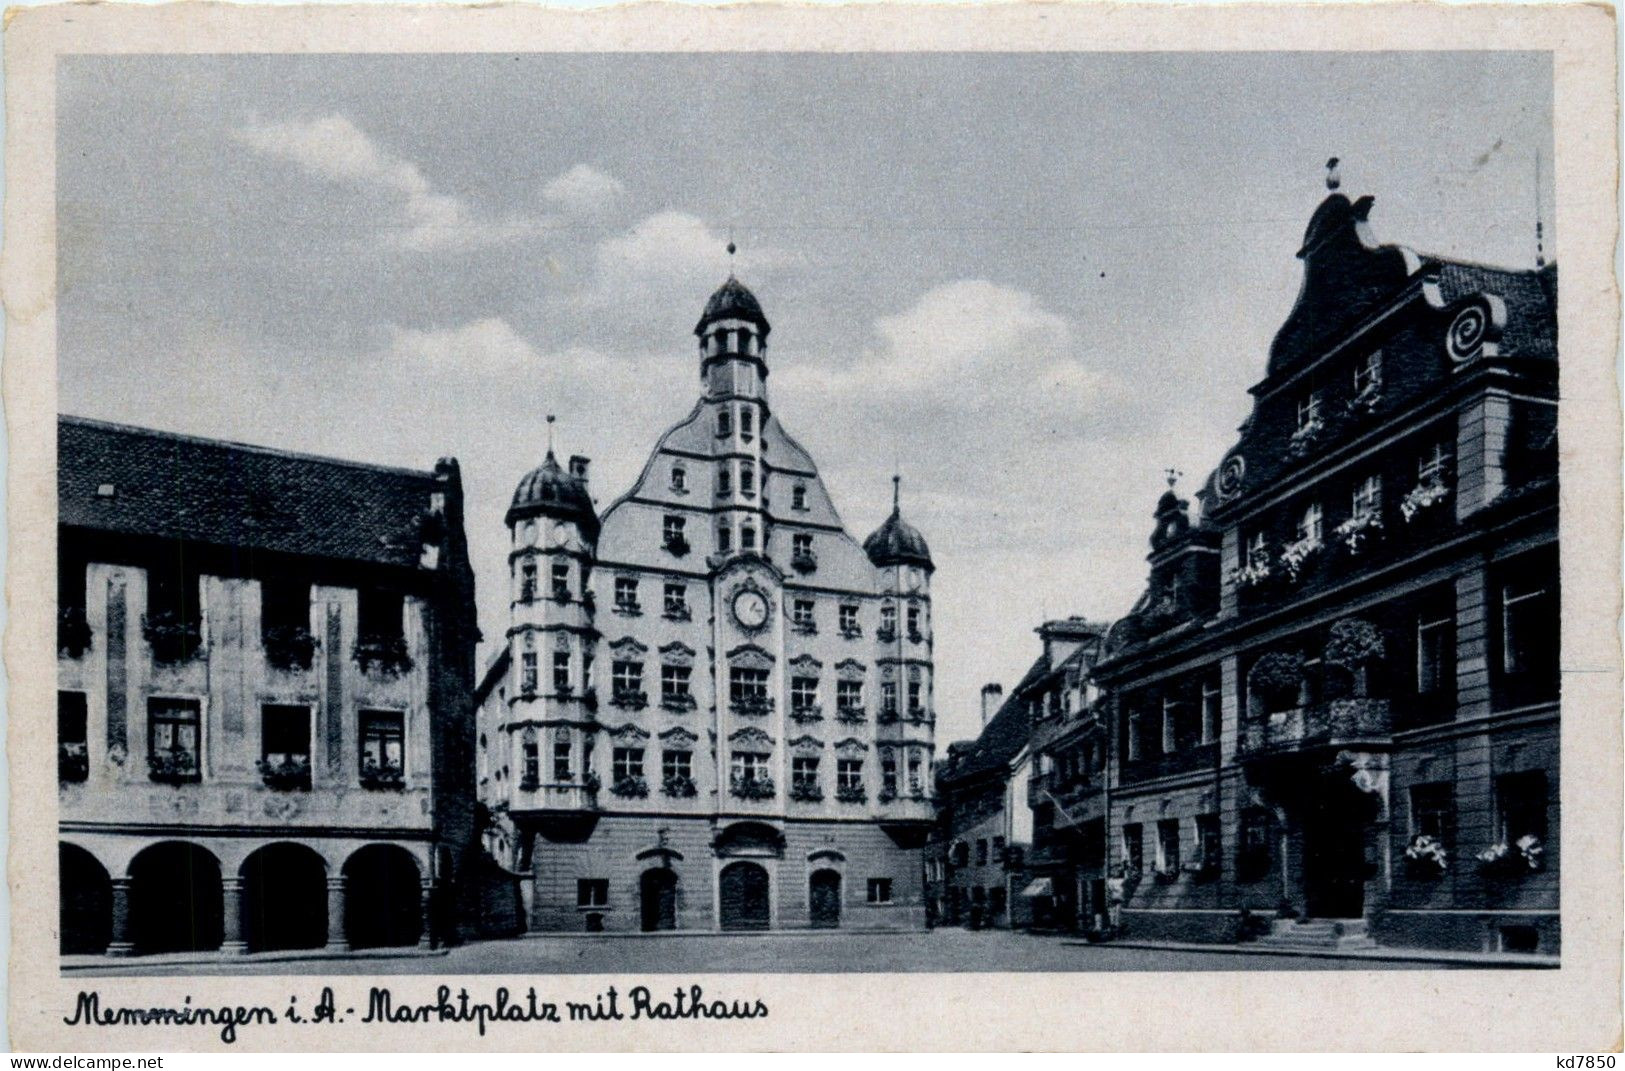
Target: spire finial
[
  {"x": 732, "y": 249},
  {"x": 1540, "y": 244},
  {"x": 1333, "y": 179},
  {"x": 550, "y": 419},
  {"x": 896, "y": 492}
]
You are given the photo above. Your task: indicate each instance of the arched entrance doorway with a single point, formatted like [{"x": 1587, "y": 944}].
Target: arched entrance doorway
[
  {"x": 1337, "y": 823},
  {"x": 657, "y": 898},
  {"x": 824, "y": 898},
  {"x": 382, "y": 897},
  {"x": 744, "y": 896},
  {"x": 175, "y": 899},
  {"x": 87, "y": 902},
  {"x": 284, "y": 898}
]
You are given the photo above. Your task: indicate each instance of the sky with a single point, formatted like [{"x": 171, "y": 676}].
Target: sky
[{"x": 1029, "y": 284}]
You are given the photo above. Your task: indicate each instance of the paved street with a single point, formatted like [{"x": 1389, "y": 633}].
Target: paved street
[{"x": 940, "y": 950}]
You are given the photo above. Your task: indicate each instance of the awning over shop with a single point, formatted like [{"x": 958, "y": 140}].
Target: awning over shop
[{"x": 1038, "y": 887}]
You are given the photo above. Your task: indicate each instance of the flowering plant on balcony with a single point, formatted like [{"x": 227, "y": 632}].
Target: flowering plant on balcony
[
  {"x": 758, "y": 787},
  {"x": 1521, "y": 857},
  {"x": 807, "y": 712},
  {"x": 851, "y": 793},
  {"x": 1357, "y": 529},
  {"x": 630, "y": 787},
  {"x": 172, "y": 638},
  {"x": 72, "y": 631},
  {"x": 806, "y": 790},
  {"x": 849, "y": 712},
  {"x": 72, "y": 761},
  {"x": 1256, "y": 572},
  {"x": 752, "y": 706},
  {"x": 1424, "y": 495},
  {"x": 381, "y": 775},
  {"x": 678, "y": 786},
  {"x": 172, "y": 767},
  {"x": 1277, "y": 678},
  {"x": 387, "y": 654},
  {"x": 285, "y": 773},
  {"x": 289, "y": 647},
  {"x": 1306, "y": 436},
  {"x": 629, "y": 698},
  {"x": 1296, "y": 554},
  {"x": 679, "y": 703},
  {"x": 1426, "y": 857}
]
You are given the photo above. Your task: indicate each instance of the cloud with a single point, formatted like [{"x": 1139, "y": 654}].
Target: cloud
[
  {"x": 334, "y": 149},
  {"x": 584, "y": 190},
  {"x": 488, "y": 345}
]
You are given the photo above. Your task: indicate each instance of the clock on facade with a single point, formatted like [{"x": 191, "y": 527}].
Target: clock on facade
[{"x": 750, "y": 609}]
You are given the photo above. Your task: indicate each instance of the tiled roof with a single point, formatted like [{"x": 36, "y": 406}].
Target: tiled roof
[
  {"x": 1530, "y": 298},
  {"x": 116, "y": 478},
  {"x": 1005, "y": 734}
]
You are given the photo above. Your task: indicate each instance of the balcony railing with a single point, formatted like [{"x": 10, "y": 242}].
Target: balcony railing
[
  {"x": 1320, "y": 725},
  {"x": 1185, "y": 760}
]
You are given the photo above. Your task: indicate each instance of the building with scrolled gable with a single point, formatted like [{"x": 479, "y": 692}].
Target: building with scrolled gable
[{"x": 714, "y": 707}]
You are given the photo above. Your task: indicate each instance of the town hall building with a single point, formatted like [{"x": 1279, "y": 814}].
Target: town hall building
[{"x": 714, "y": 706}]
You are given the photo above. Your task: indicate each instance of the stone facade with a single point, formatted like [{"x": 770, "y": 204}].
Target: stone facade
[
  {"x": 715, "y": 707},
  {"x": 1338, "y": 698},
  {"x": 263, "y": 699}
]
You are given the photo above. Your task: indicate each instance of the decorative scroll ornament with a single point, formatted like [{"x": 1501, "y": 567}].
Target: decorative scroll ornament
[
  {"x": 1468, "y": 330},
  {"x": 1231, "y": 474}
]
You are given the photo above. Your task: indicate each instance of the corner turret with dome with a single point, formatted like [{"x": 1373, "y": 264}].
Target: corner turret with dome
[{"x": 712, "y": 699}]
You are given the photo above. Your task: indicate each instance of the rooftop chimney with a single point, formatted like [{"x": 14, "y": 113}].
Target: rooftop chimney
[
  {"x": 992, "y": 695},
  {"x": 578, "y": 467}
]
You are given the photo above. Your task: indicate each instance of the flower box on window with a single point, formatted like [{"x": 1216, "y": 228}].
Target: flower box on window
[
  {"x": 759, "y": 787},
  {"x": 1303, "y": 440},
  {"x": 886, "y": 795},
  {"x": 885, "y": 634},
  {"x": 172, "y": 639},
  {"x": 850, "y": 714},
  {"x": 677, "y": 546},
  {"x": 804, "y": 561},
  {"x": 1367, "y": 400},
  {"x": 383, "y": 654},
  {"x": 678, "y": 786},
  {"x": 286, "y": 774},
  {"x": 1202, "y": 869},
  {"x": 72, "y": 762},
  {"x": 888, "y": 716},
  {"x": 72, "y": 631},
  {"x": 375, "y": 775},
  {"x": 560, "y": 596},
  {"x": 629, "y": 608},
  {"x": 916, "y": 636},
  {"x": 810, "y": 712},
  {"x": 851, "y": 794},
  {"x": 917, "y": 716},
  {"x": 804, "y": 628},
  {"x": 529, "y": 783},
  {"x": 679, "y": 613},
  {"x": 627, "y": 699},
  {"x": 589, "y": 699},
  {"x": 630, "y": 787},
  {"x": 1257, "y": 571},
  {"x": 679, "y": 704},
  {"x": 851, "y": 632},
  {"x": 1296, "y": 555},
  {"x": 806, "y": 791},
  {"x": 1358, "y": 530},
  {"x": 1426, "y": 857},
  {"x": 289, "y": 647},
  {"x": 752, "y": 706},
  {"x": 1524, "y": 856},
  {"x": 1423, "y": 496},
  {"x": 172, "y": 767}
]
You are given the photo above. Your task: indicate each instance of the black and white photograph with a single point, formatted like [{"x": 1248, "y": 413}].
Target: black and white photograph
[{"x": 730, "y": 513}]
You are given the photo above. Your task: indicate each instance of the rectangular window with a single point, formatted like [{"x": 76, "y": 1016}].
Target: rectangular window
[
  {"x": 383, "y": 742},
  {"x": 913, "y": 620},
  {"x": 1253, "y": 861},
  {"x": 673, "y": 530},
  {"x": 880, "y": 890},
  {"x": 1310, "y": 525},
  {"x": 1208, "y": 852},
  {"x": 285, "y": 734},
  {"x": 998, "y": 849},
  {"x": 748, "y": 765},
  {"x": 804, "y": 771},
  {"x": 1529, "y": 628},
  {"x": 1433, "y": 812},
  {"x": 626, "y": 593},
  {"x": 531, "y": 768},
  {"x": 1436, "y": 651},
  {"x": 747, "y": 685},
  {"x": 798, "y": 496},
  {"x": 747, "y": 425},
  {"x": 527, "y": 673},
  {"x": 801, "y": 612},
  {"x": 561, "y": 760},
  {"x": 725, "y": 538},
  {"x": 561, "y": 581},
  {"x": 725, "y": 423},
  {"x": 173, "y": 736},
  {"x": 626, "y": 678},
  {"x": 676, "y": 598},
  {"x": 72, "y": 736},
  {"x": 1170, "y": 725},
  {"x": 284, "y": 604},
  {"x": 379, "y": 615},
  {"x": 849, "y": 695},
  {"x": 1136, "y": 732},
  {"x": 915, "y": 706},
  {"x": 592, "y": 892},
  {"x": 801, "y": 545},
  {"x": 1212, "y": 707},
  {"x": 803, "y": 693},
  {"x": 1520, "y": 804},
  {"x": 677, "y": 764},
  {"x": 1133, "y": 849},
  {"x": 888, "y": 776},
  {"x": 747, "y": 537},
  {"x": 1168, "y": 845},
  {"x": 527, "y": 580},
  {"x": 849, "y": 773},
  {"x": 1308, "y": 409},
  {"x": 1368, "y": 372},
  {"x": 888, "y": 697},
  {"x": 1367, "y": 498},
  {"x": 561, "y": 672},
  {"x": 849, "y": 619},
  {"x": 888, "y": 618},
  {"x": 1433, "y": 464},
  {"x": 674, "y": 681},
  {"x": 679, "y": 478},
  {"x": 747, "y": 479},
  {"x": 725, "y": 480},
  {"x": 981, "y": 851},
  {"x": 914, "y": 786},
  {"x": 626, "y": 762}
]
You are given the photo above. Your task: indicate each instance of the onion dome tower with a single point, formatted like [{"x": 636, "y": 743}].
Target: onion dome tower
[{"x": 896, "y": 542}]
